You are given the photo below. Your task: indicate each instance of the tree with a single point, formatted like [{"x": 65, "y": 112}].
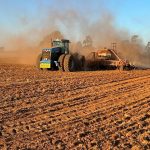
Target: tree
[
  {"x": 88, "y": 42},
  {"x": 134, "y": 39},
  {"x": 148, "y": 48},
  {"x": 46, "y": 42}
]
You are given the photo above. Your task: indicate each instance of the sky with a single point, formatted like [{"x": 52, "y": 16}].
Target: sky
[{"x": 19, "y": 16}]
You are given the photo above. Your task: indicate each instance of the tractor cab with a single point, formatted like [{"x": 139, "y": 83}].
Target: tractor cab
[{"x": 63, "y": 44}]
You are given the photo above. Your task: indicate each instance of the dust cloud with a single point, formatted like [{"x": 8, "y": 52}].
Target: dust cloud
[{"x": 24, "y": 47}]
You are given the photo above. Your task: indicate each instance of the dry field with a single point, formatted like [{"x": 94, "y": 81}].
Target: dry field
[{"x": 41, "y": 110}]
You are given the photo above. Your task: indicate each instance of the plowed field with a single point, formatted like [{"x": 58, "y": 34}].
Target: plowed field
[{"x": 42, "y": 110}]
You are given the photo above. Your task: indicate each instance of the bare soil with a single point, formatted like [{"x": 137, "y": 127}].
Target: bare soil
[{"x": 99, "y": 110}]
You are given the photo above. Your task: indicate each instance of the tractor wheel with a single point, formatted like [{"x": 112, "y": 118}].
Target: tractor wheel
[
  {"x": 39, "y": 58},
  {"x": 69, "y": 63},
  {"x": 61, "y": 62},
  {"x": 83, "y": 64}
]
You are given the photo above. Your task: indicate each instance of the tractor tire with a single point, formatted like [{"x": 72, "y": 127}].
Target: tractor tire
[
  {"x": 83, "y": 64},
  {"x": 69, "y": 63},
  {"x": 61, "y": 62},
  {"x": 39, "y": 58}
]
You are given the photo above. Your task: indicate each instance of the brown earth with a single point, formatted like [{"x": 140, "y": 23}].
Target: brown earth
[{"x": 41, "y": 110}]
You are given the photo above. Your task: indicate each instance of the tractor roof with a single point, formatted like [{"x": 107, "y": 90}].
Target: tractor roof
[
  {"x": 65, "y": 40},
  {"x": 61, "y": 40}
]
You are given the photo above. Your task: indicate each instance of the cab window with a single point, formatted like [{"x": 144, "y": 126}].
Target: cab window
[{"x": 57, "y": 43}]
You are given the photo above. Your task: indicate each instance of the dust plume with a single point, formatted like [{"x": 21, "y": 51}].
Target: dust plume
[{"x": 70, "y": 24}]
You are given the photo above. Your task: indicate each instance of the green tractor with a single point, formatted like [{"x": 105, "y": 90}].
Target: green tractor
[{"x": 58, "y": 57}]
